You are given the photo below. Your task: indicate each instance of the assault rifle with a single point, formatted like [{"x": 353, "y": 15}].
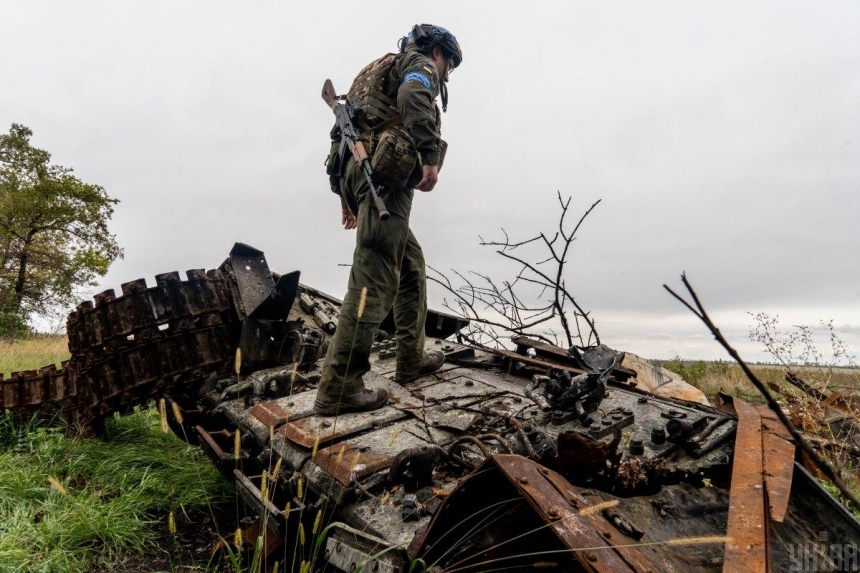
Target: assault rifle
[{"x": 352, "y": 138}]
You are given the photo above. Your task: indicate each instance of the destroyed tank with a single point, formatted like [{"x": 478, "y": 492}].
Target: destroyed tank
[{"x": 519, "y": 460}]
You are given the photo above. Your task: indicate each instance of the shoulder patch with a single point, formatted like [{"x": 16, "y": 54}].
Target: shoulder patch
[{"x": 418, "y": 77}]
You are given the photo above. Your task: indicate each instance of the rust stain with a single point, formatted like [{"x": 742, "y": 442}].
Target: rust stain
[
  {"x": 271, "y": 414},
  {"x": 299, "y": 435},
  {"x": 314, "y": 430},
  {"x": 347, "y": 464},
  {"x": 556, "y": 501},
  {"x": 779, "y": 452},
  {"x": 746, "y": 549}
]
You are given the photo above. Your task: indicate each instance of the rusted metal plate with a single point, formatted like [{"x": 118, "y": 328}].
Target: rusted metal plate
[
  {"x": 612, "y": 536},
  {"x": 318, "y": 430},
  {"x": 270, "y": 413},
  {"x": 291, "y": 408},
  {"x": 588, "y": 535},
  {"x": 369, "y": 453},
  {"x": 746, "y": 550},
  {"x": 779, "y": 452},
  {"x": 347, "y": 464}
]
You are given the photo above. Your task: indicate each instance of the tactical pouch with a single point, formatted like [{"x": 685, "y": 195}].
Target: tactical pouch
[
  {"x": 394, "y": 157},
  {"x": 334, "y": 163}
]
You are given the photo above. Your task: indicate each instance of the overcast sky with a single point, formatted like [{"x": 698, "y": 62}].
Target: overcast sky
[{"x": 722, "y": 137}]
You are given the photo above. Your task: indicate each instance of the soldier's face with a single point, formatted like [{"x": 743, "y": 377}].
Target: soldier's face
[{"x": 443, "y": 65}]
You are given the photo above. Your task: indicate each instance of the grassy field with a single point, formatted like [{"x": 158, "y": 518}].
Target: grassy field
[
  {"x": 34, "y": 352},
  {"x": 69, "y": 504},
  {"x": 723, "y": 376}
]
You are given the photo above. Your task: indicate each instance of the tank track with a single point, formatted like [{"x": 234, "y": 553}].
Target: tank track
[{"x": 128, "y": 349}]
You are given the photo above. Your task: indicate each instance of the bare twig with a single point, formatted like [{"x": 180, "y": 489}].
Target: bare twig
[
  {"x": 699, "y": 310},
  {"x": 500, "y": 307}
]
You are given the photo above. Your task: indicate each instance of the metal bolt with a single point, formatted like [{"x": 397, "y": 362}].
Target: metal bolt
[
  {"x": 524, "y": 479},
  {"x": 544, "y": 471},
  {"x": 591, "y": 557},
  {"x": 325, "y": 424},
  {"x": 554, "y": 512}
]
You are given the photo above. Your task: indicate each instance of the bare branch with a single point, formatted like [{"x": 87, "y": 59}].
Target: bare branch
[
  {"x": 698, "y": 309},
  {"x": 505, "y": 304}
]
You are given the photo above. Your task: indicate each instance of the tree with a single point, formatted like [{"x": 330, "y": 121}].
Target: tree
[{"x": 54, "y": 234}]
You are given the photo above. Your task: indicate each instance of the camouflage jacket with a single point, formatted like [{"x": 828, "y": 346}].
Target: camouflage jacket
[{"x": 413, "y": 84}]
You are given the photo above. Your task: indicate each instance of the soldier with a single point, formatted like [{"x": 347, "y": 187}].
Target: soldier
[{"x": 395, "y": 98}]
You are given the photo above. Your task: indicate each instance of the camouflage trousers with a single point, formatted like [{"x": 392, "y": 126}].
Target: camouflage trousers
[{"x": 389, "y": 264}]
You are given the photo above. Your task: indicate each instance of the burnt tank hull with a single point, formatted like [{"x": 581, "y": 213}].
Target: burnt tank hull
[{"x": 501, "y": 459}]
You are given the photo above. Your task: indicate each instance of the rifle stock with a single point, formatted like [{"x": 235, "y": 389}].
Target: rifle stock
[{"x": 356, "y": 145}]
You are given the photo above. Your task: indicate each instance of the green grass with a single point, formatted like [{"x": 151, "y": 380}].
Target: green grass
[
  {"x": 118, "y": 492},
  {"x": 32, "y": 353}
]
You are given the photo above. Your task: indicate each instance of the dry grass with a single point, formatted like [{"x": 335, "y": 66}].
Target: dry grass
[
  {"x": 722, "y": 376},
  {"x": 32, "y": 353}
]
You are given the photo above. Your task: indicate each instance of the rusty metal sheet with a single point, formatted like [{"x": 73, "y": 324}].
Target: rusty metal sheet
[
  {"x": 779, "y": 450},
  {"x": 369, "y": 453},
  {"x": 612, "y": 536},
  {"x": 746, "y": 549},
  {"x": 558, "y": 503},
  {"x": 347, "y": 464},
  {"x": 270, "y": 413},
  {"x": 318, "y": 430}
]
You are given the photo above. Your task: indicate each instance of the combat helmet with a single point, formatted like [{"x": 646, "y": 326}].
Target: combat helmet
[{"x": 425, "y": 36}]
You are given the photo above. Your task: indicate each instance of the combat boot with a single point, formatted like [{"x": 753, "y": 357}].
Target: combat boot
[
  {"x": 364, "y": 401},
  {"x": 408, "y": 371}
]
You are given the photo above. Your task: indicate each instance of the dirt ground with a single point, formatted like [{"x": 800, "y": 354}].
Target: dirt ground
[{"x": 189, "y": 549}]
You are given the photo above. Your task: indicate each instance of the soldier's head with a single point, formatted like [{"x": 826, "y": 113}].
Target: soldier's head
[{"x": 436, "y": 43}]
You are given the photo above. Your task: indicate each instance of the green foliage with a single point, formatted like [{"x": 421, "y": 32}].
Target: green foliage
[
  {"x": 13, "y": 325},
  {"x": 692, "y": 371},
  {"x": 110, "y": 492},
  {"x": 53, "y": 232}
]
